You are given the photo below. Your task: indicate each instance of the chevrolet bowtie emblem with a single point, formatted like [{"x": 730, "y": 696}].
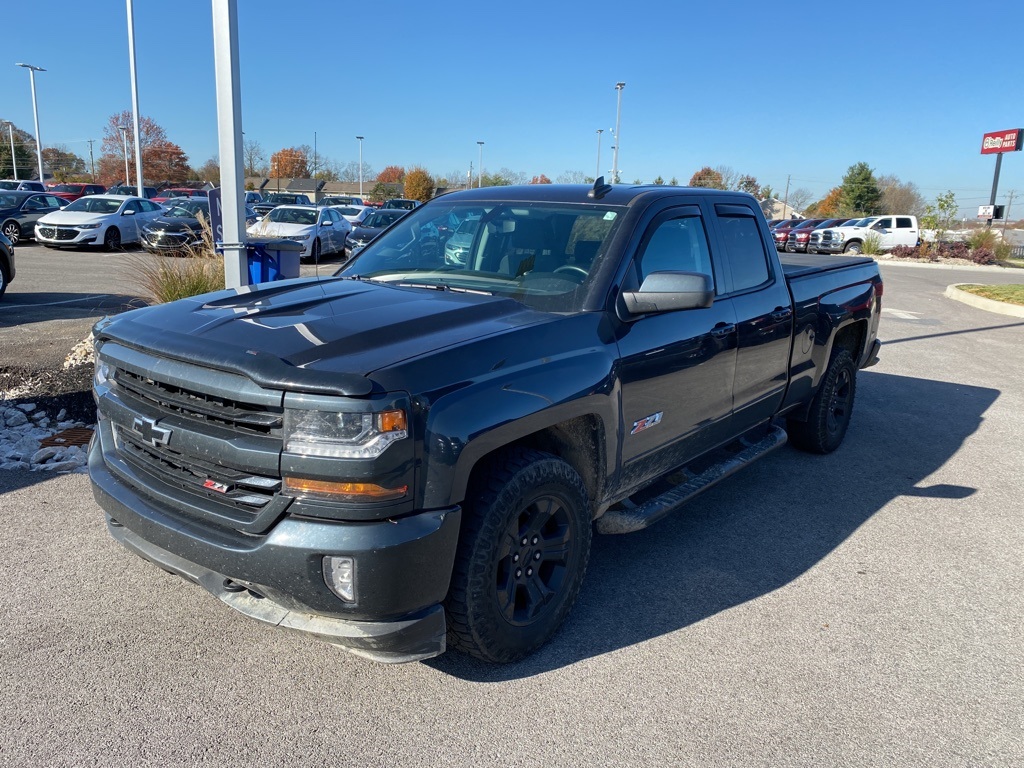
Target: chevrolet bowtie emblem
[{"x": 151, "y": 433}]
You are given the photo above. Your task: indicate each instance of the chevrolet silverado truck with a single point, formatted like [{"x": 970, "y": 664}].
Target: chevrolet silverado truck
[
  {"x": 411, "y": 454},
  {"x": 890, "y": 231}
]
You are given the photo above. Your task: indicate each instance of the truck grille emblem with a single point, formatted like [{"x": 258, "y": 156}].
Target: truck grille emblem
[{"x": 150, "y": 432}]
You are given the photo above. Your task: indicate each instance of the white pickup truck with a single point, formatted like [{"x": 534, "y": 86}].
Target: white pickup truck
[{"x": 890, "y": 231}]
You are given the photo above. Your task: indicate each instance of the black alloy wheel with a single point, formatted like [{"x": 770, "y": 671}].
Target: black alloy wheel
[{"x": 112, "y": 239}]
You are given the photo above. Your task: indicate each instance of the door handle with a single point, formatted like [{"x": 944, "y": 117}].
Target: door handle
[
  {"x": 781, "y": 314},
  {"x": 722, "y": 330}
]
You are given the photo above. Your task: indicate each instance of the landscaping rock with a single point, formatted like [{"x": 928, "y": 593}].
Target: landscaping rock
[
  {"x": 44, "y": 454},
  {"x": 15, "y": 418}
]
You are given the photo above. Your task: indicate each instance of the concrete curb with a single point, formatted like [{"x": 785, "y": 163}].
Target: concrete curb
[
  {"x": 932, "y": 265},
  {"x": 980, "y": 302}
]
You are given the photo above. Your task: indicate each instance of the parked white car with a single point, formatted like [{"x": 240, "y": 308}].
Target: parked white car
[
  {"x": 107, "y": 220},
  {"x": 320, "y": 230},
  {"x": 353, "y": 214}
]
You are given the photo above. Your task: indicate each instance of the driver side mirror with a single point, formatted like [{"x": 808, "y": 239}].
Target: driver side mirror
[
  {"x": 128, "y": 212},
  {"x": 327, "y": 223},
  {"x": 669, "y": 291}
]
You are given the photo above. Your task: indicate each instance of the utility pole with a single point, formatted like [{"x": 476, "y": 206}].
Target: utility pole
[
  {"x": 785, "y": 202},
  {"x": 1009, "y": 201},
  {"x": 92, "y": 161}
]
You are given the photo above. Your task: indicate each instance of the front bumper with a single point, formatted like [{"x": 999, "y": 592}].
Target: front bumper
[
  {"x": 402, "y": 568},
  {"x": 63, "y": 235}
]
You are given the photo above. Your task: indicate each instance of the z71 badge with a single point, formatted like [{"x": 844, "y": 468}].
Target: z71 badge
[{"x": 646, "y": 423}]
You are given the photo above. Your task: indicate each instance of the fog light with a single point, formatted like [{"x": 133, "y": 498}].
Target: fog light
[{"x": 340, "y": 576}]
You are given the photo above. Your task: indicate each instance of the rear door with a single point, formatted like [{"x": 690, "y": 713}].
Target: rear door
[
  {"x": 906, "y": 231},
  {"x": 676, "y": 368},
  {"x": 764, "y": 315}
]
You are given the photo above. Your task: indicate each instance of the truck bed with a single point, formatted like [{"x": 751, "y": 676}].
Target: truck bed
[{"x": 802, "y": 264}]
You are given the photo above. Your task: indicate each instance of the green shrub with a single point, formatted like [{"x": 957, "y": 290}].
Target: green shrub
[
  {"x": 872, "y": 245},
  {"x": 983, "y": 238}
]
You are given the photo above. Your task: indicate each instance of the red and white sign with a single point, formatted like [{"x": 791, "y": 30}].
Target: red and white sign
[{"x": 1001, "y": 141}]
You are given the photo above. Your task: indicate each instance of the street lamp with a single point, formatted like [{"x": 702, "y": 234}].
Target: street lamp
[
  {"x": 124, "y": 135},
  {"x": 14, "y": 160},
  {"x": 480, "y": 170},
  {"x": 360, "y": 140},
  {"x": 35, "y": 114},
  {"x": 598, "y": 172},
  {"x": 136, "y": 124},
  {"x": 618, "y": 115}
]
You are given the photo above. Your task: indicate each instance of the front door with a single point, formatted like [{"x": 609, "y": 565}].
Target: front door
[{"x": 677, "y": 368}]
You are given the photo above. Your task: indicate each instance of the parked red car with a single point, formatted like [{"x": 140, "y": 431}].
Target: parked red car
[
  {"x": 781, "y": 231},
  {"x": 796, "y": 240},
  {"x": 72, "y": 192}
]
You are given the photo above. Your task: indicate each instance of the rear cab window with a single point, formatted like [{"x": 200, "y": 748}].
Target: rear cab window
[{"x": 745, "y": 251}]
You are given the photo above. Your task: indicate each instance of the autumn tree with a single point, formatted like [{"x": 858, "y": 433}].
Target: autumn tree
[
  {"x": 748, "y": 184},
  {"x": 419, "y": 184},
  {"x": 162, "y": 160},
  {"x": 63, "y": 163},
  {"x": 829, "y": 206},
  {"x": 707, "y": 177},
  {"x": 860, "y": 192},
  {"x": 542, "y": 179},
  {"x": 392, "y": 174},
  {"x": 289, "y": 163}
]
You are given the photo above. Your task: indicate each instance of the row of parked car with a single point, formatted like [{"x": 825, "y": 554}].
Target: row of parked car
[{"x": 844, "y": 235}]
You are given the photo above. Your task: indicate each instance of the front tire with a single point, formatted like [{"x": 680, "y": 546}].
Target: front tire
[
  {"x": 314, "y": 252},
  {"x": 522, "y": 554},
  {"x": 831, "y": 409},
  {"x": 13, "y": 232},
  {"x": 853, "y": 249},
  {"x": 112, "y": 239}
]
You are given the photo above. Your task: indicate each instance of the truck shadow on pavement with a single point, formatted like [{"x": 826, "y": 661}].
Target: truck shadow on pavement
[{"x": 759, "y": 530}]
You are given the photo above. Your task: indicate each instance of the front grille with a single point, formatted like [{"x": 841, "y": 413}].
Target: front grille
[
  {"x": 166, "y": 238},
  {"x": 201, "y": 407},
  {"x": 55, "y": 233},
  {"x": 233, "y": 490}
]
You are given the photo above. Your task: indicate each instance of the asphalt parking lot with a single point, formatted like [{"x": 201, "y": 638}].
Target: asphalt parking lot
[{"x": 862, "y": 608}]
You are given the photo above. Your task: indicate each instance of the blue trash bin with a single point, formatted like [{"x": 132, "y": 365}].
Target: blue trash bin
[{"x": 272, "y": 259}]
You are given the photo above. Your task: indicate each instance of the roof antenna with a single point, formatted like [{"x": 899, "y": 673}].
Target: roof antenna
[{"x": 600, "y": 189}]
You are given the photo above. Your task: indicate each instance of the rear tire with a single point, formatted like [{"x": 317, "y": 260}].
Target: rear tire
[
  {"x": 112, "y": 239},
  {"x": 4, "y": 280},
  {"x": 523, "y": 551},
  {"x": 831, "y": 408}
]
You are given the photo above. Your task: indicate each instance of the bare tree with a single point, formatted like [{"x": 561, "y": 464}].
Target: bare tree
[
  {"x": 798, "y": 198},
  {"x": 573, "y": 177},
  {"x": 729, "y": 177},
  {"x": 899, "y": 196},
  {"x": 255, "y": 159}
]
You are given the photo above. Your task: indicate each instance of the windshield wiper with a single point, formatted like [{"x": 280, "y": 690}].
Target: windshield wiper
[{"x": 442, "y": 287}]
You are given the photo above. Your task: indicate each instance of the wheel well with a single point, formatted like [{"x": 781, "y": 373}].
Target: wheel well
[
  {"x": 579, "y": 441},
  {"x": 850, "y": 338}
]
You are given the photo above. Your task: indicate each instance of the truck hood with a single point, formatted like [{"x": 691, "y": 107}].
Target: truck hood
[{"x": 321, "y": 336}]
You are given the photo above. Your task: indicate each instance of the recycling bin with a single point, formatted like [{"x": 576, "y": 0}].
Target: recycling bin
[{"x": 272, "y": 259}]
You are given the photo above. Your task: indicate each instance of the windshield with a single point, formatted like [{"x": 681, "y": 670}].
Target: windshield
[
  {"x": 280, "y": 199},
  {"x": 73, "y": 188},
  {"x": 468, "y": 227},
  {"x": 293, "y": 216},
  {"x": 379, "y": 219},
  {"x": 9, "y": 184},
  {"x": 188, "y": 209},
  {"x": 94, "y": 205},
  {"x": 10, "y": 201},
  {"x": 541, "y": 254}
]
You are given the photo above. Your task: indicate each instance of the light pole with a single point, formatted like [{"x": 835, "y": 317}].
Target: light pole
[
  {"x": 124, "y": 135},
  {"x": 618, "y": 116},
  {"x": 35, "y": 114},
  {"x": 135, "y": 100},
  {"x": 480, "y": 170},
  {"x": 14, "y": 160},
  {"x": 598, "y": 172},
  {"x": 360, "y": 140}
]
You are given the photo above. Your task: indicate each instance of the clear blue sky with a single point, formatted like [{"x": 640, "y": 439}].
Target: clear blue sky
[{"x": 767, "y": 89}]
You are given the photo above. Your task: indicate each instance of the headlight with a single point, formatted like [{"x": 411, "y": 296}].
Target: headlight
[
  {"x": 102, "y": 374},
  {"x": 87, "y": 226},
  {"x": 343, "y": 435},
  {"x": 298, "y": 237}
]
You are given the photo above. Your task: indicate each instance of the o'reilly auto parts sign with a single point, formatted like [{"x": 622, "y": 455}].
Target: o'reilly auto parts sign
[{"x": 1001, "y": 141}]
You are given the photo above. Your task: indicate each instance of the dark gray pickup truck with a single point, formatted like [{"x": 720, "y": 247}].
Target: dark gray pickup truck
[{"x": 413, "y": 452}]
